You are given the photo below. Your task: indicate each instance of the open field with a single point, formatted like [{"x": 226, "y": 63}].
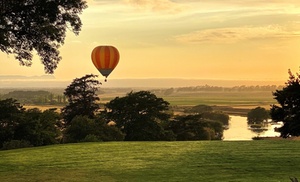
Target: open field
[
  {"x": 43, "y": 107},
  {"x": 235, "y": 103},
  {"x": 243, "y": 161},
  {"x": 243, "y": 99}
]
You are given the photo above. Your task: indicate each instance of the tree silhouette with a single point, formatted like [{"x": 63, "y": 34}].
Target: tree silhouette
[
  {"x": 257, "y": 115},
  {"x": 10, "y": 115},
  {"x": 139, "y": 115},
  {"x": 288, "y": 110},
  {"x": 82, "y": 98},
  {"x": 195, "y": 127},
  {"x": 40, "y": 25}
]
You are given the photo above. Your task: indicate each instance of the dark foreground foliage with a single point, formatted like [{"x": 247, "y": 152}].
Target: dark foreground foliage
[
  {"x": 19, "y": 126},
  {"x": 288, "y": 108},
  {"x": 35, "y": 25},
  {"x": 138, "y": 116}
]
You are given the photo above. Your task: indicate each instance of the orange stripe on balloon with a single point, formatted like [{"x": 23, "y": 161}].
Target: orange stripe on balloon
[
  {"x": 117, "y": 57},
  {"x": 102, "y": 58},
  {"x": 95, "y": 58}
]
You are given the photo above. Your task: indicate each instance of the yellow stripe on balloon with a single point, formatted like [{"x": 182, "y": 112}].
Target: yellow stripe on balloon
[{"x": 102, "y": 58}]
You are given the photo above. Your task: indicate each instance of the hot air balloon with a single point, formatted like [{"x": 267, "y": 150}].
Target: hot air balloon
[{"x": 105, "y": 59}]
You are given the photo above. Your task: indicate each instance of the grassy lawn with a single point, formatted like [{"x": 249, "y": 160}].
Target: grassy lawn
[{"x": 265, "y": 161}]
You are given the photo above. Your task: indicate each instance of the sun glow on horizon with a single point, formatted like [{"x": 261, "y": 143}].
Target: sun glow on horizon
[{"x": 211, "y": 39}]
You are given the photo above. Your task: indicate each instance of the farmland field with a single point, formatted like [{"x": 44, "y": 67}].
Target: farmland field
[
  {"x": 222, "y": 98},
  {"x": 231, "y": 102},
  {"x": 244, "y": 161}
]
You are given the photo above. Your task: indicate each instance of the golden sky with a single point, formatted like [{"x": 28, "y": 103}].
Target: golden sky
[{"x": 207, "y": 39}]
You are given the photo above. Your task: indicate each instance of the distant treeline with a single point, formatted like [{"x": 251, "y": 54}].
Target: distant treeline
[
  {"x": 229, "y": 89},
  {"x": 208, "y": 88},
  {"x": 56, "y": 96},
  {"x": 39, "y": 97}
]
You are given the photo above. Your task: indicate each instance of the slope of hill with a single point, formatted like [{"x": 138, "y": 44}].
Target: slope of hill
[{"x": 245, "y": 161}]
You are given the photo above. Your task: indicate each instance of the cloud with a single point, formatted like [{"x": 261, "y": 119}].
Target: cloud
[
  {"x": 236, "y": 34},
  {"x": 155, "y": 5},
  {"x": 102, "y": 2},
  {"x": 241, "y": 3},
  {"x": 256, "y": 6}
]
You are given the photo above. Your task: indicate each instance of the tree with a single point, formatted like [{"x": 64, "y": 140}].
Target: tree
[
  {"x": 39, "y": 127},
  {"x": 198, "y": 109},
  {"x": 195, "y": 127},
  {"x": 10, "y": 115},
  {"x": 207, "y": 112},
  {"x": 257, "y": 115},
  {"x": 82, "y": 98},
  {"x": 32, "y": 126},
  {"x": 40, "y": 25},
  {"x": 83, "y": 129},
  {"x": 139, "y": 115},
  {"x": 216, "y": 116},
  {"x": 288, "y": 110}
]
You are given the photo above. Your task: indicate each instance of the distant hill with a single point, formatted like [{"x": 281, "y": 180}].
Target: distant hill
[
  {"x": 20, "y": 77},
  {"x": 19, "y": 81}
]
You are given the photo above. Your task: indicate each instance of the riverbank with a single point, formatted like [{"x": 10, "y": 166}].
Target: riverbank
[{"x": 238, "y": 130}]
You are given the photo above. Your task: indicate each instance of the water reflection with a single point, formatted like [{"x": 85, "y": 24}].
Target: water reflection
[{"x": 238, "y": 130}]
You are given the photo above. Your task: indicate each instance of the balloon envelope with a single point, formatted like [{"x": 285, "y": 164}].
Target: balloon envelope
[{"x": 105, "y": 59}]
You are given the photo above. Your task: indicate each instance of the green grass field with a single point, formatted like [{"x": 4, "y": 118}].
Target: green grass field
[
  {"x": 222, "y": 98},
  {"x": 208, "y": 161}
]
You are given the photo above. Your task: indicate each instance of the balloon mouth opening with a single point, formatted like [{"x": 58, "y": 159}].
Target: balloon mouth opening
[{"x": 105, "y": 72}]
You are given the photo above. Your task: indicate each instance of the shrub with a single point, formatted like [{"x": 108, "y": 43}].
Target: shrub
[
  {"x": 91, "y": 138},
  {"x": 83, "y": 128},
  {"x": 15, "y": 144},
  {"x": 257, "y": 138},
  {"x": 293, "y": 179}
]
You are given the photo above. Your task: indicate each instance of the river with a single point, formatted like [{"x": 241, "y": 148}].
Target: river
[{"x": 238, "y": 130}]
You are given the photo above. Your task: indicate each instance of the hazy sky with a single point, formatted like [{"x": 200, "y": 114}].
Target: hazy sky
[{"x": 207, "y": 39}]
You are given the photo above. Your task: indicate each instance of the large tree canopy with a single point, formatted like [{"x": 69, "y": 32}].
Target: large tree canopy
[
  {"x": 23, "y": 128},
  {"x": 40, "y": 25},
  {"x": 139, "y": 115},
  {"x": 288, "y": 110},
  {"x": 195, "y": 127},
  {"x": 257, "y": 115},
  {"x": 10, "y": 116}
]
